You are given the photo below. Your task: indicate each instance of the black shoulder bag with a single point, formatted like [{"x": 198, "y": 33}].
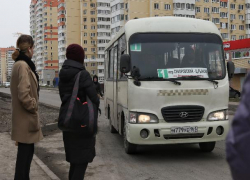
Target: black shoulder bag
[{"x": 80, "y": 117}]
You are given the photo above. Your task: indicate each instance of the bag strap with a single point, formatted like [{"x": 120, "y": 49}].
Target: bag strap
[{"x": 73, "y": 99}]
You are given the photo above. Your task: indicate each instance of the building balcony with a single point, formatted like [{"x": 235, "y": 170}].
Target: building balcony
[
  {"x": 102, "y": 45},
  {"x": 39, "y": 41},
  {"x": 247, "y": 21},
  {"x": 103, "y": 30},
  {"x": 100, "y": 59},
  {"x": 61, "y": 53},
  {"x": 184, "y": 11},
  {"x": 104, "y": 15},
  {"x": 100, "y": 75},
  {"x": 248, "y": 31},
  {"x": 117, "y": 24},
  {"x": 61, "y": 46},
  {"x": 100, "y": 52},
  {"x": 100, "y": 67},
  {"x": 61, "y": 38},
  {"x": 104, "y": 37},
  {"x": 103, "y": 23},
  {"x": 61, "y": 30}
]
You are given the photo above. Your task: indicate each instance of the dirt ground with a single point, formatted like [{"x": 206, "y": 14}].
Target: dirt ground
[{"x": 47, "y": 114}]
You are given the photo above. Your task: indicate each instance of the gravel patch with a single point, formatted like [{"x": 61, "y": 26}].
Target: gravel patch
[{"x": 47, "y": 114}]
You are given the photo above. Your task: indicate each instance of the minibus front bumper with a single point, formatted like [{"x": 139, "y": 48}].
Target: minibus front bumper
[{"x": 160, "y": 133}]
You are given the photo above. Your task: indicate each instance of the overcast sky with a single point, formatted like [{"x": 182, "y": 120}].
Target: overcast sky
[{"x": 14, "y": 17}]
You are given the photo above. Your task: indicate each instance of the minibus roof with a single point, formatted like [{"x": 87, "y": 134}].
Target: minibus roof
[{"x": 167, "y": 24}]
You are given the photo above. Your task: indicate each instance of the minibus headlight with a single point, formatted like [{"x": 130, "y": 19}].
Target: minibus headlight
[
  {"x": 142, "y": 118},
  {"x": 218, "y": 115}
]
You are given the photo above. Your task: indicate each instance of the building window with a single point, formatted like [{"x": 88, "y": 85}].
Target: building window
[
  {"x": 167, "y": 6},
  {"x": 206, "y": 10},
  {"x": 93, "y": 71},
  {"x": 241, "y": 7},
  {"x": 224, "y": 35},
  {"x": 85, "y": 42},
  {"x": 92, "y": 49},
  {"x": 85, "y": 27},
  {"x": 84, "y": 19},
  {"x": 92, "y": 19},
  {"x": 92, "y": 12},
  {"x": 85, "y": 49},
  {"x": 232, "y": 16},
  {"x": 241, "y": 17},
  {"x": 241, "y": 27},
  {"x": 233, "y": 37},
  {"x": 92, "y": 27},
  {"x": 242, "y": 37},
  {"x": 233, "y": 27},
  {"x": 85, "y": 34},
  {"x": 216, "y": 20},
  {"x": 223, "y": 15},
  {"x": 93, "y": 42},
  {"x": 86, "y": 64},
  {"x": 126, "y": 17},
  {"x": 232, "y": 6},
  {"x": 197, "y": 9},
  {"x": 85, "y": 4},
  {"x": 85, "y": 12},
  {"x": 92, "y": 64},
  {"x": 223, "y": 4},
  {"x": 92, "y": 34},
  {"x": 92, "y": 5},
  {"x": 215, "y": 10},
  {"x": 224, "y": 25},
  {"x": 206, "y": 1},
  {"x": 156, "y": 5}
]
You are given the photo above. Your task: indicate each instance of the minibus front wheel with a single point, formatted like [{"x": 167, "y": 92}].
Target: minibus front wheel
[
  {"x": 207, "y": 146},
  {"x": 129, "y": 147}
]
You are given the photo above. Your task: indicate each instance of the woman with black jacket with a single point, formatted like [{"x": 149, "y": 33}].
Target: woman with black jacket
[
  {"x": 79, "y": 150},
  {"x": 97, "y": 86}
]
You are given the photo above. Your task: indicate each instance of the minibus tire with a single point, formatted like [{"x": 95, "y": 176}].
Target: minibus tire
[
  {"x": 129, "y": 147},
  {"x": 207, "y": 146}
]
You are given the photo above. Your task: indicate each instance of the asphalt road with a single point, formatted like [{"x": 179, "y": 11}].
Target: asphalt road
[{"x": 168, "y": 162}]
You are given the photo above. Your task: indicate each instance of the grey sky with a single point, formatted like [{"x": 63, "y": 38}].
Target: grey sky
[{"x": 14, "y": 17}]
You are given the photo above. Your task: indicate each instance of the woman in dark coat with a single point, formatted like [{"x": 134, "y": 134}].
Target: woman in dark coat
[
  {"x": 97, "y": 86},
  {"x": 80, "y": 150}
]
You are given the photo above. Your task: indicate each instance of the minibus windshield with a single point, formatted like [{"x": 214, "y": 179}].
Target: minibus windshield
[{"x": 178, "y": 56}]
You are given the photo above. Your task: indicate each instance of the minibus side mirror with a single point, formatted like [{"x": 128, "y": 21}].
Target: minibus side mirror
[
  {"x": 125, "y": 65},
  {"x": 230, "y": 69}
]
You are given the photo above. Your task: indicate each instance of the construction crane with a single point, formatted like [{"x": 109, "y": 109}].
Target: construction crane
[{"x": 17, "y": 34}]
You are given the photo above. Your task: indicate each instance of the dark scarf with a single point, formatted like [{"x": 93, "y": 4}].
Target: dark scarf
[{"x": 23, "y": 57}]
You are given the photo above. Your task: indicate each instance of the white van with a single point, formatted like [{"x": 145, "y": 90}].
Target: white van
[{"x": 166, "y": 82}]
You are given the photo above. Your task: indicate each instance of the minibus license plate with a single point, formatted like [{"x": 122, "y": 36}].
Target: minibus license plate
[{"x": 186, "y": 129}]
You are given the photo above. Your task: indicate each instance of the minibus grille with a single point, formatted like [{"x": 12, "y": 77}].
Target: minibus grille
[{"x": 182, "y": 113}]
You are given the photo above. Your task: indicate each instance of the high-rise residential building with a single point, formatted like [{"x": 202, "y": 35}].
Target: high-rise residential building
[
  {"x": 232, "y": 17},
  {"x": 6, "y": 64},
  {"x": 86, "y": 23},
  {"x": 44, "y": 30}
]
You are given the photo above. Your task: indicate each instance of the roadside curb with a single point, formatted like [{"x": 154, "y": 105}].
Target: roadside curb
[{"x": 45, "y": 168}]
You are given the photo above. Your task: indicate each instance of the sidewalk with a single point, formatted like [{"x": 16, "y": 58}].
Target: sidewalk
[{"x": 8, "y": 152}]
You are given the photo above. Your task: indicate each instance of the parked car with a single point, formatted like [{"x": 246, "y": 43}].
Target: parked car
[
  {"x": 233, "y": 93},
  {"x": 7, "y": 85}
]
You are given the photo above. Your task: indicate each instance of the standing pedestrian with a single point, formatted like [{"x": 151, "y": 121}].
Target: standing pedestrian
[
  {"x": 79, "y": 149},
  {"x": 24, "y": 92},
  {"x": 97, "y": 86},
  {"x": 238, "y": 139}
]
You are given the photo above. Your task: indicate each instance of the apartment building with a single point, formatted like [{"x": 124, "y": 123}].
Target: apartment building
[
  {"x": 44, "y": 30},
  {"x": 86, "y": 23},
  {"x": 6, "y": 64},
  {"x": 232, "y": 17}
]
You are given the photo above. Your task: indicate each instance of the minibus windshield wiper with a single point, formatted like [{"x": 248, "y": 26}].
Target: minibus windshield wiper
[
  {"x": 161, "y": 79},
  {"x": 198, "y": 77}
]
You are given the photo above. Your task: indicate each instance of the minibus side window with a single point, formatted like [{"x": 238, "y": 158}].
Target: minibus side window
[
  {"x": 121, "y": 50},
  {"x": 115, "y": 62},
  {"x": 111, "y": 64}
]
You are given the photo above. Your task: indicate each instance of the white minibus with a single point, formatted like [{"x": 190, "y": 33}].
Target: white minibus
[{"x": 167, "y": 82}]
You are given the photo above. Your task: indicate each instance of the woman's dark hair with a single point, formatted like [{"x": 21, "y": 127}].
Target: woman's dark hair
[{"x": 24, "y": 42}]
